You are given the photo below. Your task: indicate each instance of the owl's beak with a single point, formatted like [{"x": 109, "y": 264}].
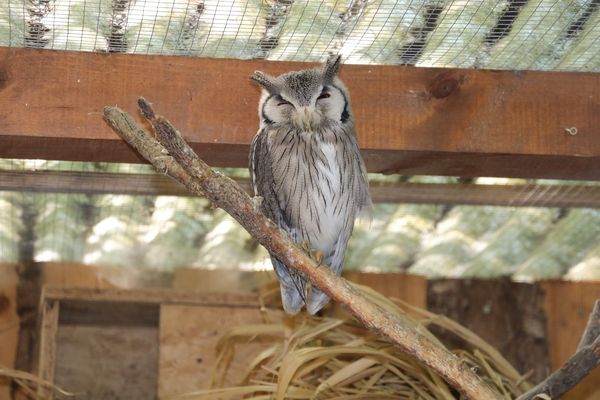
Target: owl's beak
[{"x": 306, "y": 119}]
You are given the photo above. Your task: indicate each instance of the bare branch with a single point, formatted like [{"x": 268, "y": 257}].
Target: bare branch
[
  {"x": 592, "y": 329},
  {"x": 577, "y": 367},
  {"x": 177, "y": 160}
]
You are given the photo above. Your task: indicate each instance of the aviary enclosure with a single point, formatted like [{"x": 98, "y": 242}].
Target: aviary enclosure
[{"x": 124, "y": 276}]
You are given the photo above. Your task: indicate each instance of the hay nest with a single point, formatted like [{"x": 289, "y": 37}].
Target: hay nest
[{"x": 335, "y": 358}]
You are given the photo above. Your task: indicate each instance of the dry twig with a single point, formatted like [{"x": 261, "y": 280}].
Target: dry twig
[
  {"x": 175, "y": 158},
  {"x": 577, "y": 367}
]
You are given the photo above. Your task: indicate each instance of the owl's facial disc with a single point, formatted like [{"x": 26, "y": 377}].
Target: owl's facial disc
[{"x": 306, "y": 118}]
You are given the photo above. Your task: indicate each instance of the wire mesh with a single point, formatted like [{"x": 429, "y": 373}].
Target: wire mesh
[
  {"x": 542, "y": 237},
  {"x": 510, "y": 34},
  {"x": 154, "y": 231}
]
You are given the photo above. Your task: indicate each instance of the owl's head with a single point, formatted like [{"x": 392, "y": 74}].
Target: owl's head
[{"x": 306, "y": 99}]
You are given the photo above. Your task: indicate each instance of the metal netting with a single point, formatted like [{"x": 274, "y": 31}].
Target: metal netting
[
  {"x": 85, "y": 219},
  {"x": 511, "y": 34}
]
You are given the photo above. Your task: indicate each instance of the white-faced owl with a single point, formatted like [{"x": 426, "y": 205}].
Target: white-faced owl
[{"x": 306, "y": 165}]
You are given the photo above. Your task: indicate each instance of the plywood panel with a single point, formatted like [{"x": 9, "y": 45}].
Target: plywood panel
[
  {"x": 568, "y": 305},
  {"x": 73, "y": 275},
  {"x": 508, "y": 315},
  {"x": 9, "y": 322},
  {"x": 409, "y": 120},
  {"x": 188, "y": 339},
  {"x": 202, "y": 280},
  {"x": 107, "y": 362},
  {"x": 409, "y": 288}
]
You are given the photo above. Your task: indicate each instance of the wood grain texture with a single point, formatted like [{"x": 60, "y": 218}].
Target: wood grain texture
[
  {"x": 47, "y": 345},
  {"x": 508, "y": 315},
  {"x": 409, "y": 120},
  {"x": 188, "y": 341},
  {"x": 104, "y": 362},
  {"x": 148, "y": 296},
  {"x": 9, "y": 322},
  {"x": 409, "y": 288},
  {"x": 198, "y": 280},
  {"x": 568, "y": 306}
]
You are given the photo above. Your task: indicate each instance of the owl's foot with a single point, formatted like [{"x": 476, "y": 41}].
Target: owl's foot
[
  {"x": 316, "y": 255},
  {"x": 305, "y": 246},
  {"x": 257, "y": 202}
]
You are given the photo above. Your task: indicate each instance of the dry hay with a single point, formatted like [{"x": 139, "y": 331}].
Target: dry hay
[
  {"x": 329, "y": 358},
  {"x": 31, "y": 385}
]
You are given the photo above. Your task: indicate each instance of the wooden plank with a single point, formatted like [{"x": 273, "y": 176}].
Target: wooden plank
[
  {"x": 107, "y": 361},
  {"x": 233, "y": 280},
  {"x": 148, "y": 296},
  {"x": 508, "y": 315},
  {"x": 188, "y": 343},
  {"x": 409, "y": 288},
  {"x": 529, "y": 195},
  {"x": 9, "y": 322},
  {"x": 567, "y": 306},
  {"x": 410, "y": 120},
  {"x": 47, "y": 345},
  {"x": 96, "y": 183},
  {"x": 75, "y": 274},
  {"x": 406, "y": 287},
  {"x": 108, "y": 313}
]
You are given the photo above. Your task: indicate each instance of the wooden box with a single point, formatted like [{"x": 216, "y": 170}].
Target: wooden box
[{"x": 116, "y": 344}]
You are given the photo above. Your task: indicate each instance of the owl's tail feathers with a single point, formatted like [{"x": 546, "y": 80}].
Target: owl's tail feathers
[
  {"x": 293, "y": 287},
  {"x": 291, "y": 299},
  {"x": 317, "y": 299}
]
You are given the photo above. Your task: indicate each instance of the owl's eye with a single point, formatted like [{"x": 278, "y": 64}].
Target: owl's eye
[
  {"x": 323, "y": 95},
  {"x": 282, "y": 102}
]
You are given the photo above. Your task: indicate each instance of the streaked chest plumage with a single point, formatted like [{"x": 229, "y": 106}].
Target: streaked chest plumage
[{"x": 309, "y": 183}]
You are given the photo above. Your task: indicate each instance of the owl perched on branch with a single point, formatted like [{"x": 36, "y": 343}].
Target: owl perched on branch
[{"x": 306, "y": 167}]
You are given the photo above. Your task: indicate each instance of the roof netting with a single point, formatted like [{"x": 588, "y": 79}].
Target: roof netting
[{"x": 514, "y": 34}]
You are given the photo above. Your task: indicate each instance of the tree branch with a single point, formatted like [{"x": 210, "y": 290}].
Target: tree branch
[
  {"x": 577, "y": 367},
  {"x": 176, "y": 159},
  {"x": 592, "y": 329}
]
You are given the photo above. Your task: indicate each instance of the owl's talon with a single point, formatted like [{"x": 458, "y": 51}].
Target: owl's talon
[
  {"x": 306, "y": 247},
  {"x": 318, "y": 257}
]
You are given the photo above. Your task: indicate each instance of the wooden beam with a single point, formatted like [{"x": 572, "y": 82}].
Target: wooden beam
[
  {"x": 531, "y": 195},
  {"x": 409, "y": 120},
  {"x": 47, "y": 346}
]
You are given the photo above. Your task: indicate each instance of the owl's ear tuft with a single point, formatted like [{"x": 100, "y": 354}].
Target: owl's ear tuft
[
  {"x": 331, "y": 67},
  {"x": 266, "y": 81}
]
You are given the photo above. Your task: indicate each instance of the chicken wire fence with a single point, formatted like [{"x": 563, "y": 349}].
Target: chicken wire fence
[
  {"x": 161, "y": 233},
  {"x": 513, "y": 34}
]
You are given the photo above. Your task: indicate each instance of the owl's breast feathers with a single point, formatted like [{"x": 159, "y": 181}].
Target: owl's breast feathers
[{"x": 320, "y": 185}]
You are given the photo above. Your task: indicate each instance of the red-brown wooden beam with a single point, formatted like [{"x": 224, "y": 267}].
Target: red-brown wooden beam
[{"x": 409, "y": 120}]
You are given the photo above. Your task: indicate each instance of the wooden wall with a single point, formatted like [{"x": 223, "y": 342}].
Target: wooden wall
[
  {"x": 9, "y": 321},
  {"x": 536, "y": 326}
]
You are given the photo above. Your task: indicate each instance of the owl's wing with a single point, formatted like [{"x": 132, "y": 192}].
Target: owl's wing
[
  {"x": 364, "y": 198},
  {"x": 317, "y": 299},
  {"x": 293, "y": 286}
]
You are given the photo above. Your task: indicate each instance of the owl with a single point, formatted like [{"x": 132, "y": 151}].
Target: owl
[{"x": 307, "y": 170}]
